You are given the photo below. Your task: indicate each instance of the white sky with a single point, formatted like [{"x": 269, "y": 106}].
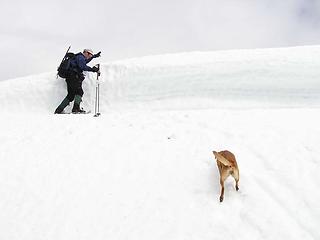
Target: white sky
[{"x": 35, "y": 34}]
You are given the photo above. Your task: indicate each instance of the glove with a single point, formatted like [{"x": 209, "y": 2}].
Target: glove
[
  {"x": 95, "y": 69},
  {"x": 97, "y": 54}
]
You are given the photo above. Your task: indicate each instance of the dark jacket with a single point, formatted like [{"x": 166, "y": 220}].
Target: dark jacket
[{"x": 79, "y": 63}]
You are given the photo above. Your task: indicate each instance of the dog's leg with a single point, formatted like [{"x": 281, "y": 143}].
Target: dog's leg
[
  {"x": 237, "y": 185},
  {"x": 222, "y": 190},
  {"x": 224, "y": 175},
  {"x": 236, "y": 178}
]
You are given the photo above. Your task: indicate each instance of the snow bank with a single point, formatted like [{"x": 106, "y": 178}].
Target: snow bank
[
  {"x": 234, "y": 79},
  {"x": 241, "y": 78}
]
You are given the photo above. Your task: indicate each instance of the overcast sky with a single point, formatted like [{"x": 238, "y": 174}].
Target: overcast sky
[{"x": 35, "y": 34}]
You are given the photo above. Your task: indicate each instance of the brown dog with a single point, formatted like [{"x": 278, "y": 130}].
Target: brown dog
[{"x": 227, "y": 165}]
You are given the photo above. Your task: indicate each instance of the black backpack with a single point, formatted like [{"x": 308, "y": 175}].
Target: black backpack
[{"x": 64, "y": 67}]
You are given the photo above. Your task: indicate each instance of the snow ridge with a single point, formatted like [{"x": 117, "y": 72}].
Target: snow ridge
[{"x": 285, "y": 77}]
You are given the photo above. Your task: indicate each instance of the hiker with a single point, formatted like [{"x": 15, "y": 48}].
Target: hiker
[{"x": 74, "y": 79}]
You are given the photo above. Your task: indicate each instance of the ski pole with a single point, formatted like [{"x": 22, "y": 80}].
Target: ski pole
[
  {"x": 98, "y": 98},
  {"x": 97, "y": 102}
]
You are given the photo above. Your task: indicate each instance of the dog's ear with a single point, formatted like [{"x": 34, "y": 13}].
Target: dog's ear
[
  {"x": 215, "y": 154},
  {"x": 222, "y": 159}
]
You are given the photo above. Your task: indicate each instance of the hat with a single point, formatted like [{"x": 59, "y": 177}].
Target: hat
[{"x": 88, "y": 51}]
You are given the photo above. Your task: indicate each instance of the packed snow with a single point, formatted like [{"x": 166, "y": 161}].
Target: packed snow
[{"x": 144, "y": 169}]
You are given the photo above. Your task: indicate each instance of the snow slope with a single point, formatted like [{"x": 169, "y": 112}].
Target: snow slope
[{"x": 145, "y": 169}]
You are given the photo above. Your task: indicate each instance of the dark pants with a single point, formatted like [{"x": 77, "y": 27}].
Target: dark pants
[
  {"x": 75, "y": 92},
  {"x": 74, "y": 85}
]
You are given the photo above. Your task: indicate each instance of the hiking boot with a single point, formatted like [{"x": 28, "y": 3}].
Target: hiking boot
[
  {"x": 58, "y": 111},
  {"x": 62, "y": 105},
  {"x": 79, "y": 111},
  {"x": 76, "y": 109}
]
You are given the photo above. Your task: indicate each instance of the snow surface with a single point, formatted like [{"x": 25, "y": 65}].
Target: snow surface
[{"x": 145, "y": 170}]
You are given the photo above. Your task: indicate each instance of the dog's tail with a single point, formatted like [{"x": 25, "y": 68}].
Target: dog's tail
[{"x": 222, "y": 159}]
